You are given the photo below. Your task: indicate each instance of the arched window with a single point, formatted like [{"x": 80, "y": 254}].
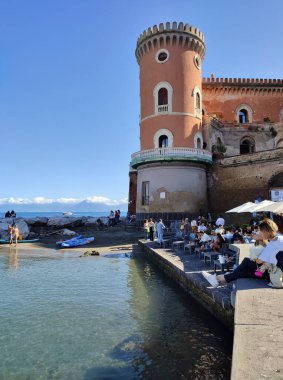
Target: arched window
[
  {"x": 163, "y": 97},
  {"x": 162, "y": 94},
  {"x": 197, "y": 100},
  {"x": 163, "y": 138},
  {"x": 243, "y": 116},
  {"x": 198, "y": 143},
  {"x": 198, "y": 140},
  {"x": 247, "y": 145},
  {"x": 163, "y": 141}
]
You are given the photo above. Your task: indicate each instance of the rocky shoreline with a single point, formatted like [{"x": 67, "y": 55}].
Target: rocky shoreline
[{"x": 42, "y": 226}]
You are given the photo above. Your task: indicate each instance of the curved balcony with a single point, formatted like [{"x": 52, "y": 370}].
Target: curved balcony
[{"x": 170, "y": 154}]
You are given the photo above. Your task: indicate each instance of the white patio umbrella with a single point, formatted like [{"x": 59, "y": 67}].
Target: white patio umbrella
[
  {"x": 259, "y": 206},
  {"x": 242, "y": 207},
  {"x": 276, "y": 207}
]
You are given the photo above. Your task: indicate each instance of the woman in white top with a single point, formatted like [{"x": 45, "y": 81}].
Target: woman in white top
[{"x": 267, "y": 231}]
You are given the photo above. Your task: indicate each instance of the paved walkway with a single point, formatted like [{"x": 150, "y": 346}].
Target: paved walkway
[{"x": 258, "y": 335}]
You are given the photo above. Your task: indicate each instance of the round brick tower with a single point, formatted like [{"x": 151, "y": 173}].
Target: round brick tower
[{"x": 171, "y": 165}]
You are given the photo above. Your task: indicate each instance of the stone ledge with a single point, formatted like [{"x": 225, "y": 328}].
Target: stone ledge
[{"x": 192, "y": 283}]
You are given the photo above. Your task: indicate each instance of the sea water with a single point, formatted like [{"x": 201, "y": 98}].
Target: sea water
[
  {"x": 68, "y": 317},
  {"x": 50, "y": 214}
]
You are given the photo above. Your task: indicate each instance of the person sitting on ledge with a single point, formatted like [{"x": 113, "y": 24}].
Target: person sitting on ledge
[{"x": 267, "y": 231}]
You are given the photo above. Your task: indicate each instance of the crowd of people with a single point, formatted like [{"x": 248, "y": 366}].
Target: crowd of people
[
  {"x": 266, "y": 257},
  {"x": 114, "y": 218}
]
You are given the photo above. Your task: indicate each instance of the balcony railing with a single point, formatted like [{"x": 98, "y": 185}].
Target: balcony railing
[
  {"x": 170, "y": 154},
  {"x": 163, "y": 109}
]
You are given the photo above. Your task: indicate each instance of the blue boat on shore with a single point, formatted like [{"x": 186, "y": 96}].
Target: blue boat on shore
[{"x": 75, "y": 242}]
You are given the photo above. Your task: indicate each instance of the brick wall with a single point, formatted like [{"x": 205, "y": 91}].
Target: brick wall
[{"x": 235, "y": 180}]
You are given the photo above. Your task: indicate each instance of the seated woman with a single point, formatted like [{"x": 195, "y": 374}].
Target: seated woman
[
  {"x": 267, "y": 231},
  {"x": 217, "y": 245}
]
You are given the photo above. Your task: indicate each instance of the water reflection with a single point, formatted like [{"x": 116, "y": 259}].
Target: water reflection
[
  {"x": 180, "y": 340},
  {"x": 102, "y": 318},
  {"x": 13, "y": 260}
]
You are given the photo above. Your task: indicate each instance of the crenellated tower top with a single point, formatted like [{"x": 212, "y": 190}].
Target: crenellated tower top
[{"x": 168, "y": 34}]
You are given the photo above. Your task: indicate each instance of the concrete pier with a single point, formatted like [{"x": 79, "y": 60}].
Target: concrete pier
[
  {"x": 184, "y": 269},
  {"x": 258, "y": 319},
  {"x": 258, "y": 333}
]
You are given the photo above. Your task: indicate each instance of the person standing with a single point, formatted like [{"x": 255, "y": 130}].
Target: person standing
[
  {"x": 146, "y": 229},
  {"x": 159, "y": 228},
  {"x": 16, "y": 233},
  {"x": 151, "y": 229},
  {"x": 11, "y": 234}
]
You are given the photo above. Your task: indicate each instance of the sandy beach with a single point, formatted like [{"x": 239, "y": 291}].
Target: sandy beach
[{"x": 108, "y": 240}]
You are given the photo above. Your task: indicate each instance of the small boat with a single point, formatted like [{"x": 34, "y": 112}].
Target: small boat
[
  {"x": 76, "y": 242},
  {"x": 68, "y": 213},
  {"x": 3, "y": 241}
]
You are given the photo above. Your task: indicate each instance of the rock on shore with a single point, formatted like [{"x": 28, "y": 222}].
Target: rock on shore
[{"x": 30, "y": 226}]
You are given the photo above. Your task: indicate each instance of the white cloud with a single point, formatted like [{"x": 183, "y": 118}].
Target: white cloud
[
  {"x": 106, "y": 201},
  {"x": 70, "y": 201}
]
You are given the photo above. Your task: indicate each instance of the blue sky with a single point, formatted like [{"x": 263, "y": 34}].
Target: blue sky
[{"x": 69, "y": 88}]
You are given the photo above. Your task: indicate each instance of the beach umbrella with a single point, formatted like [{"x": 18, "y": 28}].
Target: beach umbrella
[
  {"x": 276, "y": 207},
  {"x": 259, "y": 206},
  {"x": 242, "y": 207}
]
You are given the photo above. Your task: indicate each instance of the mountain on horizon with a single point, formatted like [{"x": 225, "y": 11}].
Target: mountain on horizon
[{"x": 83, "y": 206}]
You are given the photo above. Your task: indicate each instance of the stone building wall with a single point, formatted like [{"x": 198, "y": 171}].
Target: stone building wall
[{"x": 235, "y": 180}]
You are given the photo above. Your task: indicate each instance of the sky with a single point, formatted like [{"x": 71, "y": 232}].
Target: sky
[{"x": 69, "y": 86}]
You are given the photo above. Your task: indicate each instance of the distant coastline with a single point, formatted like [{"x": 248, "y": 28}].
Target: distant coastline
[{"x": 52, "y": 214}]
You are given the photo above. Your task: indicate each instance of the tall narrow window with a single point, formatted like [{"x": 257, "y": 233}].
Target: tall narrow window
[
  {"x": 198, "y": 143},
  {"x": 145, "y": 193},
  {"x": 197, "y": 100},
  {"x": 163, "y": 100},
  {"x": 163, "y": 141},
  {"x": 243, "y": 116},
  {"x": 162, "y": 94}
]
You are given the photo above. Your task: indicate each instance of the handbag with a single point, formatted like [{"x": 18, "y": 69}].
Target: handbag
[{"x": 275, "y": 274}]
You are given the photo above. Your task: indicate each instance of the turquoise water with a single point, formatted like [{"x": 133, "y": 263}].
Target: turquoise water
[{"x": 65, "y": 317}]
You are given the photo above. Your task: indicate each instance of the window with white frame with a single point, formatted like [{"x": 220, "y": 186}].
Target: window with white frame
[
  {"x": 198, "y": 140},
  {"x": 244, "y": 114},
  {"x": 162, "y": 94},
  {"x": 197, "y": 102},
  {"x": 163, "y": 138},
  {"x": 162, "y": 56}
]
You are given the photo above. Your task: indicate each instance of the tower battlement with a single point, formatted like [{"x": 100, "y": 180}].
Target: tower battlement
[
  {"x": 168, "y": 34},
  {"x": 243, "y": 81}
]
